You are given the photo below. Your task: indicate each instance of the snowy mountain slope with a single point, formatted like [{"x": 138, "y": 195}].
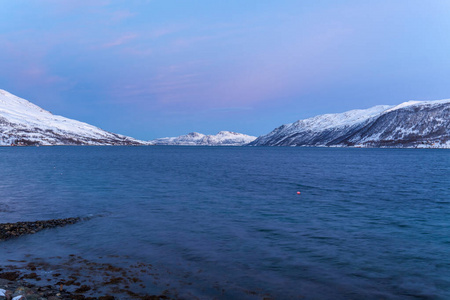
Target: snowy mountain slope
[
  {"x": 223, "y": 138},
  {"x": 23, "y": 123},
  {"x": 410, "y": 124},
  {"x": 319, "y": 130}
]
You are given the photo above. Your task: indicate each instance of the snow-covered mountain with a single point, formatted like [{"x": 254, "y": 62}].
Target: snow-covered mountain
[
  {"x": 410, "y": 124},
  {"x": 223, "y": 138},
  {"x": 23, "y": 123}
]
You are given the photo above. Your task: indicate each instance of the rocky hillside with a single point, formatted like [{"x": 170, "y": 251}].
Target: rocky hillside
[
  {"x": 23, "y": 123},
  {"x": 410, "y": 124}
]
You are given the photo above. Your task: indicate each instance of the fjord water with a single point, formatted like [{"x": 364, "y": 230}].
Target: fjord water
[{"x": 227, "y": 222}]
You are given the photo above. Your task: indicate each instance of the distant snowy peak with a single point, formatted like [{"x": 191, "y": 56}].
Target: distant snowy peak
[
  {"x": 348, "y": 118},
  {"x": 410, "y": 124},
  {"x": 24, "y": 123},
  {"x": 223, "y": 138},
  {"x": 423, "y": 104},
  {"x": 19, "y": 105}
]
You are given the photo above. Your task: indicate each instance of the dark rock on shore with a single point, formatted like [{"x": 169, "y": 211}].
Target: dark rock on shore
[
  {"x": 11, "y": 230},
  {"x": 81, "y": 279},
  {"x": 10, "y": 289},
  {"x": 11, "y": 276}
]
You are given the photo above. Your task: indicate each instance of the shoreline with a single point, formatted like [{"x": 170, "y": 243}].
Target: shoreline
[
  {"x": 42, "y": 281},
  {"x": 36, "y": 279}
]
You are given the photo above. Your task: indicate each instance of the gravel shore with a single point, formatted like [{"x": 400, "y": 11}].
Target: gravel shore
[
  {"x": 36, "y": 279},
  {"x": 18, "y": 289}
]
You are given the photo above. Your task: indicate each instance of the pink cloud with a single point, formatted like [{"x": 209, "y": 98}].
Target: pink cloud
[
  {"x": 121, "y": 15},
  {"x": 120, "y": 41},
  {"x": 187, "y": 42},
  {"x": 160, "y": 32},
  {"x": 28, "y": 68},
  {"x": 138, "y": 51},
  {"x": 70, "y": 6},
  {"x": 39, "y": 75}
]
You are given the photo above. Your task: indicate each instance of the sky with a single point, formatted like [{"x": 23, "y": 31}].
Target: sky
[{"x": 158, "y": 68}]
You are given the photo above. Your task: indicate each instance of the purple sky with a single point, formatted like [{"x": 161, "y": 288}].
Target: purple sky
[{"x": 151, "y": 69}]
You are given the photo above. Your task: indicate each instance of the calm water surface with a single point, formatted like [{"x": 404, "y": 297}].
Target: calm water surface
[{"x": 227, "y": 222}]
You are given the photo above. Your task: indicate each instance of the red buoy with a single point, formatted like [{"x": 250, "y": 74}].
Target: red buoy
[{"x": 298, "y": 193}]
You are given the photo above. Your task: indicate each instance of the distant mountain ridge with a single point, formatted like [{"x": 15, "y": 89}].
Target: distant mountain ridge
[
  {"x": 424, "y": 124},
  {"x": 23, "y": 123},
  {"x": 223, "y": 138}
]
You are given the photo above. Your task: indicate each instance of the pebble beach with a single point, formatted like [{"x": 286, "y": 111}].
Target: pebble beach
[{"x": 39, "y": 280}]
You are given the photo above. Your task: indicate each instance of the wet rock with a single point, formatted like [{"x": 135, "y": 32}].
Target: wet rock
[
  {"x": 11, "y": 230},
  {"x": 22, "y": 290},
  {"x": 82, "y": 289},
  {"x": 3, "y": 282},
  {"x": 114, "y": 280},
  {"x": 8, "y": 294},
  {"x": 31, "y": 267},
  {"x": 11, "y": 276},
  {"x": 30, "y": 276},
  {"x": 154, "y": 297},
  {"x": 72, "y": 283},
  {"x": 33, "y": 297},
  {"x": 107, "y": 297},
  {"x": 77, "y": 297}
]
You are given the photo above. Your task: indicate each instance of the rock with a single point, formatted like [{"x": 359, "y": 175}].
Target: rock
[
  {"x": 21, "y": 290},
  {"x": 11, "y": 276},
  {"x": 8, "y": 295},
  {"x": 33, "y": 297},
  {"x": 30, "y": 276},
  {"x": 10, "y": 230},
  {"x": 77, "y": 297},
  {"x": 82, "y": 289},
  {"x": 107, "y": 297}
]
